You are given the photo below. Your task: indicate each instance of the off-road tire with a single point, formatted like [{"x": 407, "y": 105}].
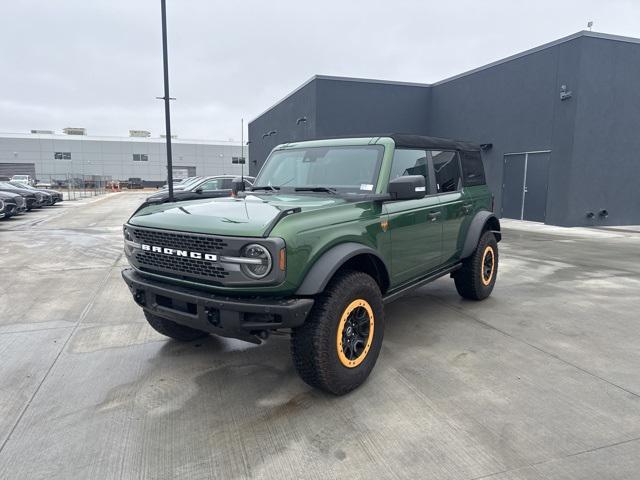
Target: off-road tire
[
  {"x": 173, "y": 329},
  {"x": 472, "y": 280},
  {"x": 315, "y": 345}
]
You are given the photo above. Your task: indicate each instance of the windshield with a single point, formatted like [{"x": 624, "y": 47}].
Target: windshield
[
  {"x": 347, "y": 169},
  {"x": 20, "y": 177}
]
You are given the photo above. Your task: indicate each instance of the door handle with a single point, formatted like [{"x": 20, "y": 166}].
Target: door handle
[
  {"x": 434, "y": 215},
  {"x": 467, "y": 207}
]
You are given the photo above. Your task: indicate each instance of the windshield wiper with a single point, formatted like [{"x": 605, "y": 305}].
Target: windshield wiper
[
  {"x": 316, "y": 189},
  {"x": 265, "y": 187}
]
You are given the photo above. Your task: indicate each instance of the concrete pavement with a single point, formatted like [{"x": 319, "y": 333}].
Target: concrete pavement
[{"x": 540, "y": 381}]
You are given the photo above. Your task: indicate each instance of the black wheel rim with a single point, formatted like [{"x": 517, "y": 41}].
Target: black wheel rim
[
  {"x": 487, "y": 266},
  {"x": 355, "y": 333}
]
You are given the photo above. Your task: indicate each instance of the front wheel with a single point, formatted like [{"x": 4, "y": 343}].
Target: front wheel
[
  {"x": 338, "y": 345},
  {"x": 477, "y": 277}
]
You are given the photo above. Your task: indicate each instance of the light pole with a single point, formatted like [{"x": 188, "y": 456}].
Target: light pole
[
  {"x": 167, "y": 98},
  {"x": 242, "y": 149}
]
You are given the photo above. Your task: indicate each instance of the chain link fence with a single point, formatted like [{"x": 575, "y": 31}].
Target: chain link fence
[{"x": 75, "y": 186}]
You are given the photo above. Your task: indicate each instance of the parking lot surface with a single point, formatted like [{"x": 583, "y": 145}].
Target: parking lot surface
[{"x": 540, "y": 381}]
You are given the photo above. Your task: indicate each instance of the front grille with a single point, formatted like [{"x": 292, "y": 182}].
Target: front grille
[
  {"x": 187, "y": 267},
  {"x": 197, "y": 243},
  {"x": 178, "y": 266}
]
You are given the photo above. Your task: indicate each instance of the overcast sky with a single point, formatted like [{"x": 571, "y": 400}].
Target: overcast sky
[{"x": 98, "y": 63}]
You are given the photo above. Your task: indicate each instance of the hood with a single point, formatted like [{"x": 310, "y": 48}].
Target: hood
[
  {"x": 20, "y": 191},
  {"x": 49, "y": 191},
  {"x": 7, "y": 196},
  {"x": 250, "y": 216}
]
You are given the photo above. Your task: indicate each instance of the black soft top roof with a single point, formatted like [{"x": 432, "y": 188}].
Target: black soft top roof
[{"x": 421, "y": 141}]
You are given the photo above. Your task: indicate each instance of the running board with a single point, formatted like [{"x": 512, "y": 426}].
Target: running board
[{"x": 419, "y": 283}]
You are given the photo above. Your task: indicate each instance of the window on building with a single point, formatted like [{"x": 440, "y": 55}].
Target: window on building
[
  {"x": 140, "y": 157},
  {"x": 62, "y": 155},
  {"x": 447, "y": 170},
  {"x": 409, "y": 162},
  {"x": 472, "y": 169}
]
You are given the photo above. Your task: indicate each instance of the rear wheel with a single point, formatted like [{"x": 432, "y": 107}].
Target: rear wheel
[
  {"x": 173, "y": 329},
  {"x": 477, "y": 277},
  {"x": 338, "y": 345}
]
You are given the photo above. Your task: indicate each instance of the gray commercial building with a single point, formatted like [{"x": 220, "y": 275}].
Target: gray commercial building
[
  {"x": 48, "y": 156},
  {"x": 561, "y": 123}
]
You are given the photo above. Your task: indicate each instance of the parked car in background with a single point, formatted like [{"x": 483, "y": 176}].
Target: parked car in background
[
  {"x": 182, "y": 184},
  {"x": 14, "y": 198},
  {"x": 23, "y": 179},
  {"x": 51, "y": 196},
  {"x": 134, "y": 183},
  {"x": 9, "y": 204},
  {"x": 32, "y": 198},
  {"x": 204, "y": 187}
]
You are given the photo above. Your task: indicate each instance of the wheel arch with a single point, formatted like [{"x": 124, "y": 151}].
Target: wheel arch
[
  {"x": 483, "y": 221},
  {"x": 350, "y": 255}
]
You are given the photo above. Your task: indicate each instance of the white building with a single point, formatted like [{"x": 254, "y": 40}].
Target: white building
[{"x": 49, "y": 156}]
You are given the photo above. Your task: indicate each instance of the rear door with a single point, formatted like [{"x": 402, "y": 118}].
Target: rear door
[
  {"x": 453, "y": 202},
  {"x": 415, "y": 226}
]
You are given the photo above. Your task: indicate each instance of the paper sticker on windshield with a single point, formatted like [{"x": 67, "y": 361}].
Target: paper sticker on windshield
[{"x": 366, "y": 186}]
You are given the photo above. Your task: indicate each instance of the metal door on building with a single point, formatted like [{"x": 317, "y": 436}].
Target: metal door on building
[
  {"x": 524, "y": 185},
  {"x": 10, "y": 169}
]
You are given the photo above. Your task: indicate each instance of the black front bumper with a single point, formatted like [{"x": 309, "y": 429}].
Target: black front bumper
[{"x": 243, "y": 318}]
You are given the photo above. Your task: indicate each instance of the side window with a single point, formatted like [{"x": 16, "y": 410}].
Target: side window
[
  {"x": 447, "y": 171},
  {"x": 227, "y": 183},
  {"x": 210, "y": 185},
  {"x": 409, "y": 162},
  {"x": 472, "y": 169}
]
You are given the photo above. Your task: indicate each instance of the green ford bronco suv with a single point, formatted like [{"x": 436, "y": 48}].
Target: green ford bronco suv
[{"x": 330, "y": 232}]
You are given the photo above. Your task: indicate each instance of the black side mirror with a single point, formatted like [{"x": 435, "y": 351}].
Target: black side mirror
[
  {"x": 199, "y": 190},
  {"x": 408, "y": 187},
  {"x": 237, "y": 186}
]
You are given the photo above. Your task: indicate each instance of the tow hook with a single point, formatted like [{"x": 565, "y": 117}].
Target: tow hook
[
  {"x": 213, "y": 316},
  {"x": 139, "y": 297}
]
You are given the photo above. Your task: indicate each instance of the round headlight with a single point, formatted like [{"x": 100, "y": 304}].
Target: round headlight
[{"x": 261, "y": 263}]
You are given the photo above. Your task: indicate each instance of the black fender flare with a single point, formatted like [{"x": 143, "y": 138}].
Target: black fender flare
[
  {"x": 476, "y": 228},
  {"x": 328, "y": 264}
]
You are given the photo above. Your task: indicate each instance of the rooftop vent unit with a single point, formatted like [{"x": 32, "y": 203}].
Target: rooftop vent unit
[
  {"x": 139, "y": 133},
  {"x": 74, "y": 131},
  {"x": 43, "y": 132}
]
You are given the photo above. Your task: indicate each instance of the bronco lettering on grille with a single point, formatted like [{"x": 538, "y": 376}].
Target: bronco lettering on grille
[{"x": 180, "y": 253}]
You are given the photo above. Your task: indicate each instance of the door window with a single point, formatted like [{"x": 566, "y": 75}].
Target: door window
[
  {"x": 409, "y": 162},
  {"x": 210, "y": 185},
  {"x": 227, "y": 184},
  {"x": 447, "y": 171}
]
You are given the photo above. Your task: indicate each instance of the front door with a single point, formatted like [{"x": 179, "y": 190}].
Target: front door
[{"x": 415, "y": 226}]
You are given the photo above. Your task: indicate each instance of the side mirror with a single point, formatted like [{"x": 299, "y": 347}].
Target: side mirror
[
  {"x": 237, "y": 186},
  {"x": 199, "y": 190},
  {"x": 408, "y": 187}
]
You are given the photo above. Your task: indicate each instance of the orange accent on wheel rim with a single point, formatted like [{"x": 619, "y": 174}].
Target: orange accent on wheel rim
[
  {"x": 488, "y": 265},
  {"x": 355, "y": 333}
]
